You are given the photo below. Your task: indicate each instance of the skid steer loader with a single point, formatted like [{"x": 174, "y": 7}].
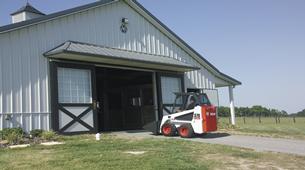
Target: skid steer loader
[{"x": 192, "y": 113}]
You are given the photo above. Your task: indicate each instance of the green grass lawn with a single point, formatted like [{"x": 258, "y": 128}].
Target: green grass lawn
[
  {"x": 268, "y": 127},
  {"x": 83, "y": 152}
]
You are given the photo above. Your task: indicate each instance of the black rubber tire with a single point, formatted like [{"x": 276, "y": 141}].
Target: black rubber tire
[
  {"x": 186, "y": 131},
  {"x": 171, "y": 132}
]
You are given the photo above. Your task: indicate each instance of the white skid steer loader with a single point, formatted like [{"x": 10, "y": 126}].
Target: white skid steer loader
[{"x": 192, "y": 113}]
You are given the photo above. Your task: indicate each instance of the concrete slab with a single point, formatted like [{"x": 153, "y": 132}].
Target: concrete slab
[{"x": 289, "y": 146}]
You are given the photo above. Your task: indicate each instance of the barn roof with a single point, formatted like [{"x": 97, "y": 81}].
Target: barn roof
[
  {"x": 52, "y": 16},
  {"x": 97, "y": 53}
]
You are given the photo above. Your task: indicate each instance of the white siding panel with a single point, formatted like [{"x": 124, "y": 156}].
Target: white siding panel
[
  {"x": 26, "y": 122},
  {"x": 36, "y": 121},
  {"x": 44, "y": 119},
  {"x": 7, "y": 77},
  {"x": 144, "y": 43},
  {"x": 1, "y": 79},
  {"x": 16, "y": 74}
]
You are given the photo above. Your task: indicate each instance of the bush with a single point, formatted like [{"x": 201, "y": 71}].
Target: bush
[
  {"x": 48, "y": 135},
  {"x": 12, "y": 135},
  {"x": 7, "y": 131},
  {"x": 36, "y": 133},
  {"x": 14, "y": 138},
  {"x": 1, "y": 135}
]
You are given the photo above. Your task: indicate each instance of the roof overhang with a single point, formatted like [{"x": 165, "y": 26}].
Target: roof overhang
[{"x": 77, "y": 51}]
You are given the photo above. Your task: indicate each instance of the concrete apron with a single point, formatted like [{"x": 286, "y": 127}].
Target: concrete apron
[{"x": 289, "y": 146}]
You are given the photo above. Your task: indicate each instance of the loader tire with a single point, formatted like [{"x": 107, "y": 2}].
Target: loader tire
[
  {"x": 168, "y": 129},
  {"x": 186, "y": 131}
]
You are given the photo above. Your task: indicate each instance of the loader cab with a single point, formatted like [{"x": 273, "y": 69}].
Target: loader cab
[{"x": 187, "y": 101}]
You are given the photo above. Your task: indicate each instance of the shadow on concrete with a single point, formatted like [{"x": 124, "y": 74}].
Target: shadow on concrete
[
  {"x": 212, "y": 135},
  {"x": 203, "y": 136}
]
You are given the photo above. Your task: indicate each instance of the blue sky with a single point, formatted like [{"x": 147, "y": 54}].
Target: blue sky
[{"x": 259, "y": 42}]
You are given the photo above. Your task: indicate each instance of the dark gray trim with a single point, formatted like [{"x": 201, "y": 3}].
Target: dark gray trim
[
  {"x": 54, "y": 15},
  {"x": 54, "y": 96}
]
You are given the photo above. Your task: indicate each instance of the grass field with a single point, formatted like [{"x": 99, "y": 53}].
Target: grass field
[
  {"x": 268, "y": 127},
  {"x": 83, "y": 152}
]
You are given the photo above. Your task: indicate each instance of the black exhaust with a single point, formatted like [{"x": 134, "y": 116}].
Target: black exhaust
[{"x": 153, "y": 127}]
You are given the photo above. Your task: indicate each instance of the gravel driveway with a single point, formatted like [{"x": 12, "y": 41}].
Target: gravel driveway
[{"x": 289, "y": 146}]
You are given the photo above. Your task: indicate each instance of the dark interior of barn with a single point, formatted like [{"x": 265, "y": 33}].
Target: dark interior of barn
[{"x": 125, "y": 97}]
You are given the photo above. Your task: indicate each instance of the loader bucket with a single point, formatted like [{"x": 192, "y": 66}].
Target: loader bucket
[{"x": 153, "y": 127}]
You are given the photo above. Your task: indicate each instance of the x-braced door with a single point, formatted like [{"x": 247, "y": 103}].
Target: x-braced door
[{"x": 74, "y": 100}]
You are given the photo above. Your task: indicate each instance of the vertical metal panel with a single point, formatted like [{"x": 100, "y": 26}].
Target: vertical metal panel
[
  {"x": 35, "y": 121},
  {"x": 1, "y": 79},
  {"x": 26, "y": 122},
  {"x": 44, "y": 121}
]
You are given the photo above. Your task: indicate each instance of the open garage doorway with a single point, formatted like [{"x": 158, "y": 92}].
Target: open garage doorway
[{"x": 125, "y": 99}]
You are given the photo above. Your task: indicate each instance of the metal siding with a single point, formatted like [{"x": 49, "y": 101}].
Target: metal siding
[
  {"x": 1, "y": 79},
  {"x": 24, "y": 71},
  {"x": 1, "y": 82}
]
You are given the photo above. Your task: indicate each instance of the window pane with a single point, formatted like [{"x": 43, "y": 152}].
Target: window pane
[
  {"x": 74, "y": 85},
  {"x": 169, "y": 86}
]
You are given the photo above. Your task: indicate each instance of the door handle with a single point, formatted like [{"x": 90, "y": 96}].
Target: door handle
[
  {"x": 98, "y": 106},
  {"x": 94, "y": 104},
  {"x": 139, "y": 101}
]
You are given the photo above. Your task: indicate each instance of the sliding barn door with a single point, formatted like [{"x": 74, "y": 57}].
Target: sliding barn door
[{"x": 75, "y": 104}]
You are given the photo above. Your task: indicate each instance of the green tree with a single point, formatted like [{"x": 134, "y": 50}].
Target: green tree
[
  {"x": 223, "y": 111},
  {"x": 301, "y": 113},
  {"x": 256, "y": 110},
  {"x": 244, "y": 111}
]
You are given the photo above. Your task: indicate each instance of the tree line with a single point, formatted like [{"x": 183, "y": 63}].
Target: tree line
[
  {"x": 300, "y": 113},
  {"x": 257, "y": 110}
]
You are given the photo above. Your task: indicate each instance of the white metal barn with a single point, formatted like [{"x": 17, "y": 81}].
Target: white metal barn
[{"x": 108, "y": 65}]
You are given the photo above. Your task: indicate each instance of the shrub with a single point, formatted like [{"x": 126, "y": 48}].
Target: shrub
[
  {"x": 1, "y": 135},
  {"x": 7, "y": 131},
  {"x": 48, "y": 135},
  {"x": 36, "y": 133},
  {"x": 12, "y": 135}
]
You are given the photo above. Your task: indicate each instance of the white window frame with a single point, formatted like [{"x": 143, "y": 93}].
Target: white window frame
[{"x": 74, "y": 85}]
